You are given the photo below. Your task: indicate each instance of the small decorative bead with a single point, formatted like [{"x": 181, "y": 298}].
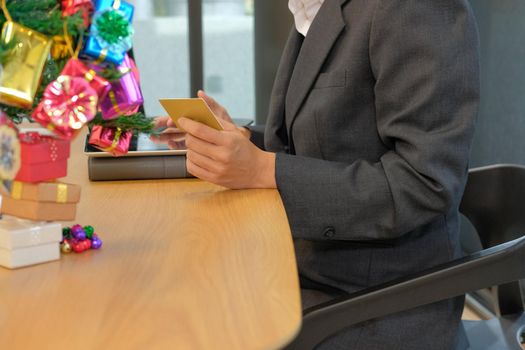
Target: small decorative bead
[
  {"x": 89, "y": 231},
  {"x": 66, "y": 232},
  {"x": 65, "y": 247},
  {"x": 78, "y": 232},
  {"x": 76, "y": 227},
  {"x": 79, "y": 239},
  {"x": 96, "y": 242},
  {"x": 87, "y": 244},
  {"x": 77, "y": 246}
]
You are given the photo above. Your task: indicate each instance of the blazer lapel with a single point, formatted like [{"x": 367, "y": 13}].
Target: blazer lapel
[
  {"x": 323, "y": 33},
  {"x": 275, "y": 134}
]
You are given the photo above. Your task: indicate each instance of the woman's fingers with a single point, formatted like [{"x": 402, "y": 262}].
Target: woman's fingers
[
  {"x": 199, "y": 172},
  {"x": 217, "y": 109},
  {"x": 161, "y": 122},
  {"x": 178, "y": 145},
  {"x": 201, "y": 131},
  {"x": 168, "y": 136},
  {"x": 197, "y": 145},
  {"x": 204, "y": 162}
]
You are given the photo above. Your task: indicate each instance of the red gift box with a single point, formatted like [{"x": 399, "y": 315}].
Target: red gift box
[
  {"x": 112, "y": 140},
  {"x": 44, "y": 158},
  {"x": 76, "y": 68}
]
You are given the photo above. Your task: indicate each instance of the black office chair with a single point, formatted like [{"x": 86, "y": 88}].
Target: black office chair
[{"x": 492, "y": 202}]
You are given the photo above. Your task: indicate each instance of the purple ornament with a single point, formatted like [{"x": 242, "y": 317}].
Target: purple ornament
[
  {"x": 76, "y": 228},
  {"x": 78, "y": 232},
  {"x": 96, "y": 242}
]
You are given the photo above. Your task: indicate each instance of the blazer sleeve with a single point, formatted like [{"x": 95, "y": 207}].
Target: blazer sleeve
[
  {"x": 424, "y": 57},
  {"x": 257, "y": 135}
]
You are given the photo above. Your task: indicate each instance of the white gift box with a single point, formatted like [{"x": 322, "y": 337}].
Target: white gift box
[{"x": 24, "y": 242}]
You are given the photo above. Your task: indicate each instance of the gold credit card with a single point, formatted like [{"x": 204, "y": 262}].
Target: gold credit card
[{"x": 192, "y": 108}]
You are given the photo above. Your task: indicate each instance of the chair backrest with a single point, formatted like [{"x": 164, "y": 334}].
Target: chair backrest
[
  {"x": 494, "y": 266},
  {"x": 494, "y": 202}
]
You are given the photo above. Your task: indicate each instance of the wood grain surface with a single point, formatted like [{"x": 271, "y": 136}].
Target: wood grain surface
[{"x": 184, "y": 265}]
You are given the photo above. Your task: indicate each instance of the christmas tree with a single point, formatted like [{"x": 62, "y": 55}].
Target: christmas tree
[{"x": 66, "y": 64}]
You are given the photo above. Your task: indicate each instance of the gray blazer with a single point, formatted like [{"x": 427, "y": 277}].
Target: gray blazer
[{"x": 371, "y": 117}]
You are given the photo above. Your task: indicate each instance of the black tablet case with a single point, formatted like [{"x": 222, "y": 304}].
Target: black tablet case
[{"x": 137, "y": 168}]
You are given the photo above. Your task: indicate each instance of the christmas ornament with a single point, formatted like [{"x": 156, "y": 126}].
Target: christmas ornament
[
  {"x": 77, "y": 246},
  {"x": 79, "y": 239},
  {"x": 112, "y": 140},
  {"x": 87, "y": 244},
  {"x": 60, "y": 48},
  {"x": 67, "y": 105},
  {"x": 76, "y": 68},
  {"x": 65, "y": 246},
  {"x": 66, "y": 233},
  {"x": 111, "y": 32},
  {"x": 89, "y": 231},
  {"x": 96, "y": 243},
  {"x": 22, "y": 71},
  {"x": 10, "y": 158},
  {"x": 125, "y": 96},
  {"x": 78, "y": 232}
]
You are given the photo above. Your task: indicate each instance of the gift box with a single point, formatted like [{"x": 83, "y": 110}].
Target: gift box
[
  {"x": 24, "y": 242},
  {"x": 124, "y": 97},
  {"x": 76, "y": 68},
  {"x": 39, "y": 211},
  {"x": 111, "y": 32},
  {"x": 70, "y": 7},
  {"x": 22, "y": 71},
  {"x": 112, "y": 140},
  {"x": 68, "y": 103},
  {"x": 43, "y": 158},
  {"x": 54, "y": 192}
]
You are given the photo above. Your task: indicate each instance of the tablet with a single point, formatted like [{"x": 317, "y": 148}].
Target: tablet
[
  {"x": 192, "y": 108},
  {"x": 141, "y": 145}
]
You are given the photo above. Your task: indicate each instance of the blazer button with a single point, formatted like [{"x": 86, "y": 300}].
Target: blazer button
[
  {"x": 329, "y": 232},
  {"x": 287, "y": 149}
]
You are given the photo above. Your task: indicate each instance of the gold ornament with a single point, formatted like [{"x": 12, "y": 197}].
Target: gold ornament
[
  {"x": 65, "y": 247},
  {"x": 60, "y": 48},
  {"x": 23, "y": 70}
]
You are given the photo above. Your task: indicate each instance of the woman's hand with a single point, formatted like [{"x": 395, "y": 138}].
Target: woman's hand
[
  {"x": 220, "y": 112},
  {"x": 227, "y": 158},
  {"x": 170, "y": 135},
  {"x": 174, "y": 137}
]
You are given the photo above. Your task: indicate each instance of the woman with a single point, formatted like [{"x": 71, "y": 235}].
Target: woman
[{"x": 367, "y": 141}]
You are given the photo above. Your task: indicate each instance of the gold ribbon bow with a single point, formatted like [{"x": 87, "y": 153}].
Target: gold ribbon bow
[{"x": 116, "y": 140}]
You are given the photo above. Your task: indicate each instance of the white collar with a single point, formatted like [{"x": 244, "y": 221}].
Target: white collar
[{"x": 304, "y": 12}]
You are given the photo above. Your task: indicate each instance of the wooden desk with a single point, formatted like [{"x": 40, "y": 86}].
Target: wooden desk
[{"x": 185, "y": 265}]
